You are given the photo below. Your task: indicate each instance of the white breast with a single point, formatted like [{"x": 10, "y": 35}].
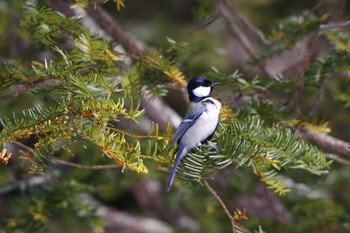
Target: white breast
[{"x": 205, "y": 125}]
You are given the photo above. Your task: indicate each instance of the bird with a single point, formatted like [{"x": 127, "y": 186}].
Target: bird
[{"x": 199, "y": 124}]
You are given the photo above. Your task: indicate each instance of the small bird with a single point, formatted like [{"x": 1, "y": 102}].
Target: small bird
[{"x": 199, "y": 123}]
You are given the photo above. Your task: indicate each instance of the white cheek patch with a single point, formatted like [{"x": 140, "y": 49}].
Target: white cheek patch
[{"x": 201, "y": 91}]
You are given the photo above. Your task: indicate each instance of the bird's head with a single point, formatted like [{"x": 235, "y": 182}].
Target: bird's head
[{"x": 199, "y": 88}]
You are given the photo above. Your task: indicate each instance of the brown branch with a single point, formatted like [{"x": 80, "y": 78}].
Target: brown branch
[
  {"x": 23, "y": 184},
  {"x": 319, "y": 95},
  {"x": 236, "y": 32},
  {"x": 337, "y": 159},
  {"x": 17, "y": 89},
  {"x": 227, "y": 212},
  {"x": 224, "y": 207},
  {"x": 70, "y": 164},
  {"x": 326, "y": 141},
  {"x": 109, "y": 24},
  {"x": 136, "y": 136},
  {"x": 89, "y": 167},
  {"x": 119, "y": 221},
  {"x": 256, "y": 32},
  {"x": 303, "y": 66},
  {"x": 61, "y": 6},
  {"x": 334, "y": 25},
  {"x": 304, "y": 189},
  {"x": 105, "y": 21},
  {"x": 115, "y": 219},
  {"x": 159, "y": 111}
]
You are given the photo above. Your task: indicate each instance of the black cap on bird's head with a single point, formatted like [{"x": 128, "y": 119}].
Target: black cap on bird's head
[{"x": 199, "y": 88}]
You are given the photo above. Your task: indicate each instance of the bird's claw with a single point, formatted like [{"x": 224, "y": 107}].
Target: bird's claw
[{"x": 215, "y": 147}]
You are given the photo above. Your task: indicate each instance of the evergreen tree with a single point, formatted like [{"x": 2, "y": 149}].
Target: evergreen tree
[{"x": 86, "y": 119}]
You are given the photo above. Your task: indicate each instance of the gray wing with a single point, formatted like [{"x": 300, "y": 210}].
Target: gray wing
[{"x": 191, "y": 117}]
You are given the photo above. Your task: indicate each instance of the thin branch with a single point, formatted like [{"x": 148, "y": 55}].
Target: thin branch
[
  {"x": 236, "y": 33},
  {"x": 202, "y": 26},
  {"x": 326, "y": 141},
  {"x": 61, "y": 6},
  {"x": 159, "y": 111},
  {"x": 337, "y": 159},
  {"x": 17, "y": 89},
  {"x": 125, "y": 222},
  {"x": 227, "y": 212},
  {"x": 105, "y": 21},
  {"x": 108, "y": 23},
  {"x": 89, "y": 167},
  {"x": 319, "y": 95},
  {"x": 255, "y": 31},
  {"x": 304, "y": 189},
  {"x": 136, "y": 136},
  {"x": 23, "y": 146},
  {"x": 303, "y": 66},
  {"x": 71, "y": 120},
  {"x": 24, "y": 184},
  {"x": 70, "y": 164},
  {"x": 334, "y": 25}
]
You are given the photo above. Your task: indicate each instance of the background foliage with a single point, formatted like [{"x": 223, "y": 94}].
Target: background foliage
[{"x": 87, "y": 93}]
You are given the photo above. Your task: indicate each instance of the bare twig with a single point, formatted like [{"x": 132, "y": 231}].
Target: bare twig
[
  {"x": 246, "y": 23},
  {"x": 159, "y": 111},
  {"x": 304, "y": 189},
  {"x": 227, "y": 212},
  {"x": 319, "y": 95},
  {"x": 334, "y": 25},
  {"x": 115, "y": 219},
  {"x": 61, "y": 6},
  {"x": 89, "y": 167},
  {"x": 70, "y": 164},
  {"x": 71, "y": 119},
  {"x": 108, "y": 24},
  {"x": 23, "y": 184},
  {"x": 17, "y": 89},
  {"x": 337, "y": 159},
  {"x": 326, "y": 141},
  {"x": 303, "y": 66},
  {"x": 119, "y": 221},
  {"x": 236, "y": 32}
]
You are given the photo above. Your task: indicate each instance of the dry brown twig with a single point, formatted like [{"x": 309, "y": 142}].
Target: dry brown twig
[
  {"x": 224, "y": 207},
  {"x": 237, "y": 33},
  {"x": 334, "y": 25},
  {"x": 326, "y": 141}
]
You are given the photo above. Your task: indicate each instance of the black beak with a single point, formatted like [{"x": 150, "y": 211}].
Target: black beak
[{"x": 214, "y": 84}]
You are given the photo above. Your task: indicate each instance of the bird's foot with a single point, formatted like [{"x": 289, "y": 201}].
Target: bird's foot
[{"x": 215, "y": 147}]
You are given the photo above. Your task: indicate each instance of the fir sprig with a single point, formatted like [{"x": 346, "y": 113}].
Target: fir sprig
[{"x": 266, "y": 150}]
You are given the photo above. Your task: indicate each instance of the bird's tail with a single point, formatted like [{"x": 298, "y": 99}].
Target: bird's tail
[{"x": 181, "y": 152}]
